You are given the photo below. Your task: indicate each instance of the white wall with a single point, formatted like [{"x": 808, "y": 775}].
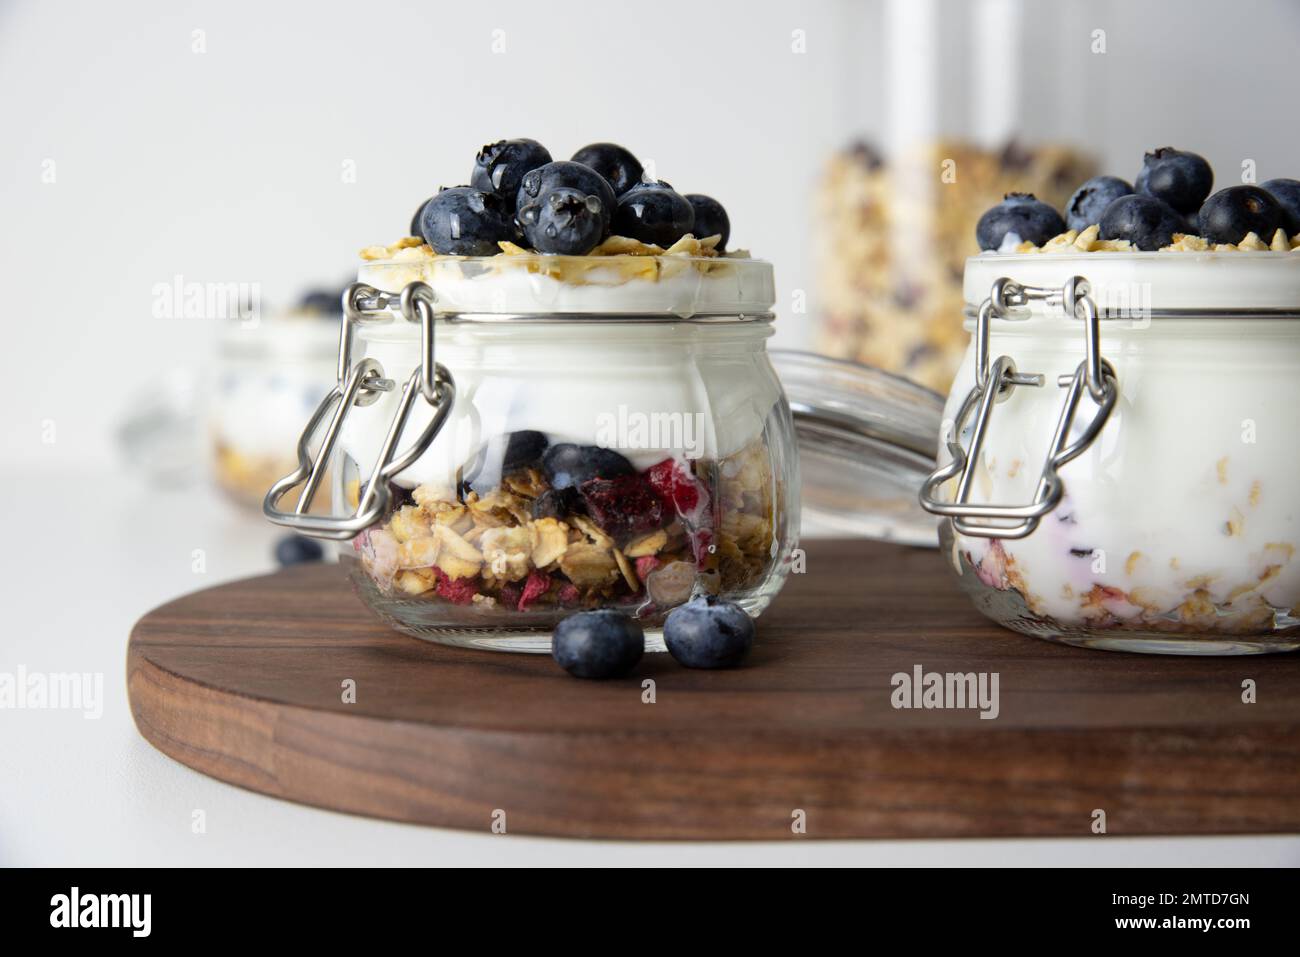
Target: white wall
[{"x": 224, "y": 166}]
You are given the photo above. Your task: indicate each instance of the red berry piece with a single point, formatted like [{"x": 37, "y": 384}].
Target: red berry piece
[
  {"x": 534, "y": 587},
  {"x": 701, "y": 542},
  {"x": 645, "y": 565},
  {"x": 510, "y": 594},
  {"x": 622, "y": 506},
  {"x": 458, "y": 591},
  {"x": 682, "y": 493},
  {"x": 568, "y": 594}
]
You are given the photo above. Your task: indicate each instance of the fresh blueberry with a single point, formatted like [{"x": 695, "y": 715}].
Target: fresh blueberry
[
  {"x": 710, "y": 219},
  {"x": 1182, "y": 180},
  {"x": 464, "y": 221},
  {"x": 523, "y": 450},
  {"x": 564, "y": 221},
  {"x": 708, "y": 633},
  {"x": 1287, "y": 194},
  {"x": 1148, "y": 223},
  {"x": 865, "y": 154},
  {"x": 322, "y": 302},
  {"x": 654, "y": 213},
  {"x": 1228, "y": 215},
  {"x": 415, "y": 220},
  {"x": 557, "y": 503},
  {"x": 500, "y": 456},
  {"x": 1091, "y": 199},
  {"x": 567, "y": 464},
  {"x": 598, "y": 644},
  {"x": 567, "y": 174},
  {"x": 500, "y": 167},
  {"x": 1021, "y": 215},
  {"x": 297, "y": 550},
  {"x": 620, "y": 168}
]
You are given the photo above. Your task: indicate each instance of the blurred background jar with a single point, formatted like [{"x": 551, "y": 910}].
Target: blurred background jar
[
  {"x": 954, "y": 123},
  {"x": 267, "y": 379}
]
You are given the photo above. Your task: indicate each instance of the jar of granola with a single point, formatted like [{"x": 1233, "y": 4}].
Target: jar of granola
[
  {"x": 1119, "y": 467},
  {"x": 520, "y": 436}
]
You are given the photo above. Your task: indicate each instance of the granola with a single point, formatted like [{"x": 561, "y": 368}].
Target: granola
[
  {"x": 1087, "y": 241},
  {"x": 1200, "y": 605},
  {"x": 897, "y": 237},
  {"x": 710, "y": 527}
]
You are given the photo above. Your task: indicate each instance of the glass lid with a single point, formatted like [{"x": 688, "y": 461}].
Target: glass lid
[{"x": 867, "y": 441}]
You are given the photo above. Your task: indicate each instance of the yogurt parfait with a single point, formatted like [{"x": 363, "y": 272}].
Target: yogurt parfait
[
  {"x": 1119, "y": 460},
  {"x": 560, "y": 399}
]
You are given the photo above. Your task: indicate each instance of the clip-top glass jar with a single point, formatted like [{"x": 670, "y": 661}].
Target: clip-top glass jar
[
  {"x": 1120, "y": 462},
  {"x": 517, "y": 437}
]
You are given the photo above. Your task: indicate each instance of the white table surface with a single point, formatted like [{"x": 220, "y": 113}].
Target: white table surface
[{"x": 85, "y": 558}]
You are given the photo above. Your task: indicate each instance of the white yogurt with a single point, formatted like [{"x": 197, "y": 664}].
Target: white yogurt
[
  {"x": 652, "y": 390},
  {"x": 1190, "y": 492}
]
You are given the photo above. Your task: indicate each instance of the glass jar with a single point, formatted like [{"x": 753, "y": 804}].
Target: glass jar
[
  {"x": 267, "y": 379},
  {"x": 1120, "y": 468},
  {"x": 518, "y": 437}
]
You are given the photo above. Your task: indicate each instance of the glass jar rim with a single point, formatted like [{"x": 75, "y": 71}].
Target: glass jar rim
[{"x": 1152, "y": 285}]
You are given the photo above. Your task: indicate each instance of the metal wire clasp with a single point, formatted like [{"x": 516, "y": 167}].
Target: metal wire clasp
[
  {"x": 994, "y": 383},
  {"x": 361, "y": 385}
]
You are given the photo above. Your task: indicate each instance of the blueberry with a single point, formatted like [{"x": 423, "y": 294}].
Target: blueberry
[
  {"x": 1182, "y": 180},
  {"x": 523, "y": 450},
  {"x": 297, "y": 550},
  {"x": 558, "y": 503},
  {"x": 564, "y": 221},
  {"x": 620, "y": 168},
  {"x": 708, "y": 633},
  {"x": 463, "y": 221},
  {"x": 1287, "y": 194},
  {"x": 415, "y": 220},
  {"x": 500, "y": 456},
  {"x": 565, "y": 173},
  {"x": 654, "y": 213},
  {"x": 1091, "y": 199},
  {"x": 567, "y": 464},
  {"x": 500, "y": 167},
  {"x": 710, "y": 219},
  {"x": 1228, "y": 215},
  {"x": 1020, "y": 214},
  {"x": 322, "y": 302},
  {"x": 1148, "y": 223},
  {"x": 598, "y": 644}
]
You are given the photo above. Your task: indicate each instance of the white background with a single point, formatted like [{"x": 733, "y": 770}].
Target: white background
[{"x": 225, "y": 166}]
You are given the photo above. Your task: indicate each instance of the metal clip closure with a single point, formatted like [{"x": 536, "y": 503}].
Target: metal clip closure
[
  {"x": 994, "y": 383},
  {"x": 361, "y": 385}
]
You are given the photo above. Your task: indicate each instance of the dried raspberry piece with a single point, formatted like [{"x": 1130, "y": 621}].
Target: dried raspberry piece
[
  {"x": 510, "y": 594},
  {"x": 535, "y": 586},
  {"x": 623, "y": 506},
  {"x": 701, "y": 540},
  {"x": 645, "y": 565},
  {"x": 568, "y": 594},
  {"x": 680, "y": 491},
  {"x": 458, "y": 591}
]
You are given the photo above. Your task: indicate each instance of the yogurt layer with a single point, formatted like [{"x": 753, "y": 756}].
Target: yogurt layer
[
  {"x": 1183, "y": 514},
  {"x": 652, "y": 389}
]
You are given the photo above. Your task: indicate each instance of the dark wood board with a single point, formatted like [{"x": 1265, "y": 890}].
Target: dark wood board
[{"x": 243, "y": 682}]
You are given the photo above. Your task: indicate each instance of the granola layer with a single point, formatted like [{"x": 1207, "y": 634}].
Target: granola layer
[{"x": 646, "y": 541}]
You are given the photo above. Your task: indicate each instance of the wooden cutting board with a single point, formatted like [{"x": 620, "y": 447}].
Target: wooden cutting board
[{"x": 244, "y": 682}]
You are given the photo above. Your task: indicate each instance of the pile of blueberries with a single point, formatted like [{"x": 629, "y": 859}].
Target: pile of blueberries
[
  {"x": 706, "y": 632},
  {"x": 1169, "y": 196},
  {"x": 518, "y": 194}
]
